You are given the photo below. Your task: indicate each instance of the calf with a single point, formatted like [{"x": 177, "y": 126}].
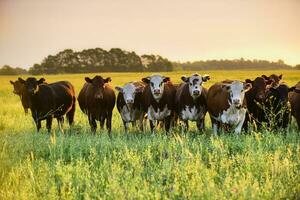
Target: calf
[
  {"x": 277, "y": 108},
  {"x": 190, "y": 100},
  {"x": 294, "y": 98},
  {"x": 129, "y": 103},
  {"x": 255, "y": 98},
  {"x": 48, "y": 101},
  {"x": 19, "y": 89},
  {"x": 97, "y": 100},
  {"x": 159, "y": 100},
  {"x": 226, "y": 104}
]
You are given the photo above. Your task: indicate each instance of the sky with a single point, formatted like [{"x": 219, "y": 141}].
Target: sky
[{"x": 180, "y": 30}]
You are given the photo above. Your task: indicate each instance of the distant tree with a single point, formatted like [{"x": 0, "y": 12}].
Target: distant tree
[{"x": 8, "y": 70}]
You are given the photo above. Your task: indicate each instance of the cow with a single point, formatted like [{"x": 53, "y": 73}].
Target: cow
[
  {"x": 129, "y": 103},
  {"x": 159, "y": 100},
  {"x": 48, "y": 101},
  {"x": 97, "y": 100},
  {"x": 19, "y": 89},
  {"x": 274, "y": 78},
  {"x": 190, "y": 100},
  {"x": 226, "y": 104},
  {"x": 294, "y": 98},
  {"x": 255, "y": 98},
  {"x": 277, "y": 107}
]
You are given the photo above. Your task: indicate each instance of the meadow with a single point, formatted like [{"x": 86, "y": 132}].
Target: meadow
[{"x": 77, "y": 164}]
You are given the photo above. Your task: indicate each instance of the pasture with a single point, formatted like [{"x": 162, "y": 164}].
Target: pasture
[{"x": 79, "y": 165}]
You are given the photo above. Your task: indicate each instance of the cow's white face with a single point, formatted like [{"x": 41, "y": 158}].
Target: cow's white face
[
  {"x": 156, "y": 83},
  {"x": 195, "y": 84},
  {"x": 129, "y": 91},
  {"x": 237, "y": 91}
]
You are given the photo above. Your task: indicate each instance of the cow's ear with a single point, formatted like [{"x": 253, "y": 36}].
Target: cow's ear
[
  {"x": 280, "y": 76},
  {"x": 185, "y": 79},
  {"x": 42, "y": 80},
  {"x": 139, "y": 89},
  {"x": 21, "y": 80},
  {"x": 88, "y": 80},
  {"x": 226, "y": 86},
  {"x": 120, "y": 89},
  {"x": 166, "y": 79},
  {"x": 248, "y": 81},
  {"x": 146, "y": 80},
  {"x": 291, "y": 89},
  {"x": 108, "y": 79},
  {"x": 11, "y": 82},
  {"x": 247, "y": 86},
  {"x": 265, "y": 77},
  {"x": 205, "y": 78}
]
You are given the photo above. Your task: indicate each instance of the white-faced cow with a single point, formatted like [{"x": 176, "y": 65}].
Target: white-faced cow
[
  {"x": 227, "y": 105},
  {"x": 190, "y": 100},
  {"x": 159, "y": 100},
  {"x": 129, "y": 103}
]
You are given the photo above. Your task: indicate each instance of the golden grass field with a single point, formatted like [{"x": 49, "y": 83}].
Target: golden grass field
[{"x": 79, "y": 165}]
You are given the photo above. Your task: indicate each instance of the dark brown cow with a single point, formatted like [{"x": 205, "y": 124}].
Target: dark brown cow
[
  {"x": 19, "y": 89},
  {"x": 159, "y": 100},
  {"x": 191, "y": 100},
  {"x": 48, "y": 101},
  {"x": 275, "y": 79},
  {"x": 226, "y": 104},
  {"x": 255, "y": 98},
  {"x": 97, "y": 100},
  {"x": 294, "y": 98},
  {"x": 129, "y": 103}
]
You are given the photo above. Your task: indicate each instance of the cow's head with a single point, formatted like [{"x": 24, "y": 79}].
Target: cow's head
[
  {"x": 156, "y": 83},
  {"x": 32, "y": 84},
  {"x": 98, "y": 84},
  {"x": 237, "y": 91},
  {"x": 129, "y": 91},
  {"x": 18, "y": 87},
  {"x": 195, "y": 83},
  {"x": 278, "y": 94},
  {"x": 259, "y": 86},
  {"x": 275, "y": 79}
]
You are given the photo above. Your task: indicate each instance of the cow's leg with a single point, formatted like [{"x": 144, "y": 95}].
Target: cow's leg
[
  {"x": 108, "y": 123},
  {"x": 38, "y": 125},
  {"x": 49, "y": 123},
  {"x": 201, "y": 124},
  {"x": 298, "y": 122},
  {"x": 215, "y": 125},
  {"x": 102, "y": 120},
  {"x": 126, "y": 125},
  {"x": 168, "y": 123},
  {"x": 141, "y": 124},
  {"x": 152, "y": 125},
  {"x": 71, "y": 113},
  {"x": 239, "y": 126},
  {"x": 93, "y": 124},
  {"x": 186, "y": 126}
]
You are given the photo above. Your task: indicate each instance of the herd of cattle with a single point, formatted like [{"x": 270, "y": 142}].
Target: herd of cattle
[{"x": 231, "y": 104}]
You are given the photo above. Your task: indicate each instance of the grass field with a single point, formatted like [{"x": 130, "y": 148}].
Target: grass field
[{"x": 79, "y": 165}]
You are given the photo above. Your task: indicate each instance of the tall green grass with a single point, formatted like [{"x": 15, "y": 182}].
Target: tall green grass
[{"x": 79, "y": 165}]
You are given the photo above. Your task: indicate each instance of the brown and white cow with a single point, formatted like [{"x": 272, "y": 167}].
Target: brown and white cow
[
  {"x": 159, "y": 100},
  {"x": 129, "y": 103},
  {"x": 190, "y": 100},
  {"x": 97, "y": 100},
  {"x": 294, "y": 98},
  {"x": 227, "y": 104}
]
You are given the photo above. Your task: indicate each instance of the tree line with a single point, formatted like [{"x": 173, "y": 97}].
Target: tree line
[
  {"x": 118, "y": 60},
  {"x": 100, "y": 60}
]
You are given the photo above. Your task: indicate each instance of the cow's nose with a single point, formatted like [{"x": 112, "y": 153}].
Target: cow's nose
[
  {"x": 156, "y": 91},
  {"x": 196, "y": 92},
  {"x": 129, "y": 101},
  {"x": 98, "y": 96},
  {"x": 261, "y": 97},
  {"x": 236, "y": 101}
]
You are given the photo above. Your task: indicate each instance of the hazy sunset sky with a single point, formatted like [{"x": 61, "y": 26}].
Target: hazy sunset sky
[{"x": 176, "y": 29}]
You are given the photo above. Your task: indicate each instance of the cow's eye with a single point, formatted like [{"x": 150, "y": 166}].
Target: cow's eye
[
  {"x": 191, "y": 84},
  {"x": 151, "y": 84}
]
